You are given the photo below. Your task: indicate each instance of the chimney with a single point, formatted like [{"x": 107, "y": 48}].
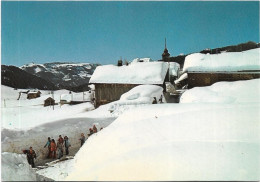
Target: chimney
[{"x": 120, "y": 63}]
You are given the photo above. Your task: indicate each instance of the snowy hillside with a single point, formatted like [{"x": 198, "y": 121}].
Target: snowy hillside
[
  {"x": 217, "y": 140},
  {"x": 62, "y": 73},
  {"x": 13, "y": 76}
]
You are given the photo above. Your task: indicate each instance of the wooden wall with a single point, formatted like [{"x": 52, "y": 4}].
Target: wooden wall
[
  {"x": 106, "y": 93},
  {"x": 199, "y": 79}
]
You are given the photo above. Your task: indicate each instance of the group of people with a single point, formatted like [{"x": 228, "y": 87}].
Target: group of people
[
  {"x": 91, "y": 131},
  {"x": 59, "y": 147},
  {"x": 54, "y": 149}
]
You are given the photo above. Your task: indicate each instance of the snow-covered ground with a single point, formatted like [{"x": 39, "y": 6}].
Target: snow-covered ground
[
  {"x": 28, "y": 123},
  {"x": 213, "y": 134},
  {"x": 25, "y": 113},
  {"x": 216, "y": 140}
]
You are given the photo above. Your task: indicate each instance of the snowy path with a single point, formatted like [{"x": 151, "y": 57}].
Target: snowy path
[{"x": 15, "y": 141}]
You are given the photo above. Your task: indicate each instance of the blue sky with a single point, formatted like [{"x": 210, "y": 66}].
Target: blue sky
[{"x": 102, "y": 32}]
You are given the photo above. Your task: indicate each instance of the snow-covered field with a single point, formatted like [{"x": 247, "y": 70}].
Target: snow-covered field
[
  {"x": 28, "y": 123},
  {"x": 216, "y": 140},
  {"x": 213, "y": 134},
  {"x": 25, "y": 114}
]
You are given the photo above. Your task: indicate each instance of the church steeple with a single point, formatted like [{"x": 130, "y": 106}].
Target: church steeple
[{"x": 165, "y": 54}]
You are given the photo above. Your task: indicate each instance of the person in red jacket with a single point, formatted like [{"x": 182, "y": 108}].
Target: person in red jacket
[
  {"x": 53, "y": 149},
  {"x": 61, "y": 139}
]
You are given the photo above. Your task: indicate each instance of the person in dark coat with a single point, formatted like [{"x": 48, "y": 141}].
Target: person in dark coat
[
  {"x": 154, "y": 100},
  {"x": 94, "y": 129},
  {"x": 82, "y": 139},
  {"x": 66, "y": 144},
  {"x": 90, "y": 132},
  {"x": 48, "y": 144},
  {"x": 31, "y": 155}
]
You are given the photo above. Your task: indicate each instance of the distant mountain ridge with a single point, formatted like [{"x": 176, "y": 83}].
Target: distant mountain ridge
[
  {"x": 14, "y": 77},
  {"x": 66, "y": 75}
]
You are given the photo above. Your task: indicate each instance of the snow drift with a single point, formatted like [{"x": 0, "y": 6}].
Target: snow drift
[
  {"x": 224, "y": 92},
  {"x": 15, "y": 167},
  {"x": 217, "y": 140}
]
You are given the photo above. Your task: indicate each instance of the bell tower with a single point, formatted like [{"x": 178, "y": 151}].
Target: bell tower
[{"x": 165, "y": 54}]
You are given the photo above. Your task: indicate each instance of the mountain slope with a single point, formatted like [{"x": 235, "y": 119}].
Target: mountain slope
[
  {"x": 15, "y": 77},
  {"x": 62, "y": 74}
]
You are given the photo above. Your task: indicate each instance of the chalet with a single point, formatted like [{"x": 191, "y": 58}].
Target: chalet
[
  {"x": 49, "y": 102},
  {"x": 112, "y": 81},
  {"x": 206, "y": 69},
  {"x": 33, "y": 94}
]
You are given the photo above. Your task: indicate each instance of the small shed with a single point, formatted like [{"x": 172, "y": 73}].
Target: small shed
[
  {"x": 112, "y": 81},
  {"x": 207, "y": 69},
  {"x": 65, "y": 98},
  {"x": 49, "y": 102},
  {"x": 33, "y": 94}
]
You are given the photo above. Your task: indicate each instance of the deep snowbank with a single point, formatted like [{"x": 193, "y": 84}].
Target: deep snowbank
[
  {"x": 16, "y": 168},
  {"x": 216, "y": 140},
  {"x": 224, "y": 92},
  {"x": 168, "y": 142}
]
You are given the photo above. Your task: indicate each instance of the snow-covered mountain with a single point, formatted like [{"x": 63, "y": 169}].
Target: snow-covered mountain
[
  {"x": 62, "y": 74},
  {"x": 13, "y": 76}
]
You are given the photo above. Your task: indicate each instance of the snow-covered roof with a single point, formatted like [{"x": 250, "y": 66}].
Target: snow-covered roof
[
  {"x": 141, "y": 73},
  {"x": 33, "y": 92},
  {"x": 138, "y": 60},
  {"x": 228, "y": 61}
]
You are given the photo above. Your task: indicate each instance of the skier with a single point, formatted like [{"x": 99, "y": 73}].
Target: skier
[
  {"x": 67, "y": 144},
  {"x": 48, "y": 144},
  {"x": 31, "y": 155},
  {"x": 82, "y": 139},
  {"x": 53, "y": 149},
  {"x": 60, "y": 149},
  {"x": 94, "y": 129}
]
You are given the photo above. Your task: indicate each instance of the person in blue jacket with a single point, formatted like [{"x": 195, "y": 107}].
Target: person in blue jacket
[
  {"x": 67, "y": 145},
  {"x": 48, "y": 144}
]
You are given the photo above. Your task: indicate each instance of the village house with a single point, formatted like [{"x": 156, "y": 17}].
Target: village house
[
  {"x": 33, "y": 94},
  {"x": 112, "y": 81},
  {"x": 207, "y": 69},
  {"x": 49, "y": 102}
]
